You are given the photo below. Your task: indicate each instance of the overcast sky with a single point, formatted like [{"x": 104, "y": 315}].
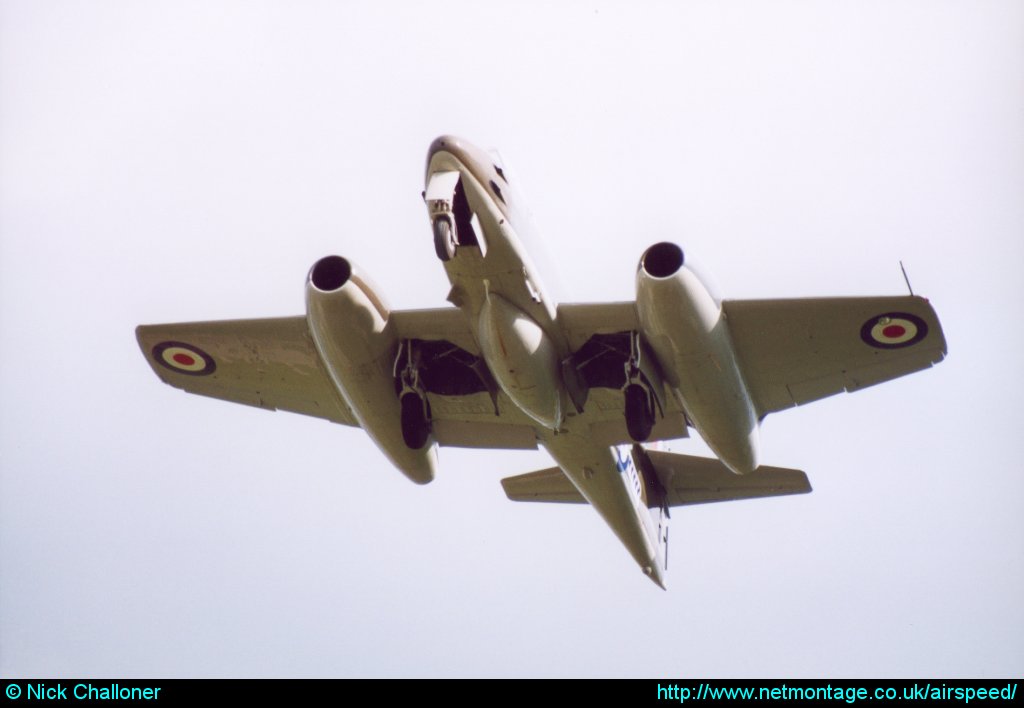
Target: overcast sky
[{"x": 181, "y": 161}]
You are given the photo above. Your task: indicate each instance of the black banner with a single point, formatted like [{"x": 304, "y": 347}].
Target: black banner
[{"x": 976, "y": 692}]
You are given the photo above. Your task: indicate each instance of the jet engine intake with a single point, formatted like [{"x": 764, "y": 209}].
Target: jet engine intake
[{"x": 662, "y": 260}]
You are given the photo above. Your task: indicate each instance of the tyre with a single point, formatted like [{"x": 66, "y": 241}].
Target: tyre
[
  {"x": 444, "y": 239},
  {"x": 639, "y": 413},
  {"x": 415, "y": 426}
]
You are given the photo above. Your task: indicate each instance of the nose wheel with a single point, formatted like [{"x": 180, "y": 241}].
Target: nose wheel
[{"x": 444, "y": 239}]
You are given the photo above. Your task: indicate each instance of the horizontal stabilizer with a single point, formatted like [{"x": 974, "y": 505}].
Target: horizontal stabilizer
[
  {"x": 550, "y": 485},
  {"x": 686, "y": 480},
  {"x": 701, "y": 480}
]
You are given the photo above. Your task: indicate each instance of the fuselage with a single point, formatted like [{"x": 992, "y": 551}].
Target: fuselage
[{"x": 497, "y": 288}]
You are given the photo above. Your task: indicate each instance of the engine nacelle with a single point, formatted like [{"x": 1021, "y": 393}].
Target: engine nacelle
[
  {"x": 349, "y": 325},
  {"x": 685, "y": 327}
]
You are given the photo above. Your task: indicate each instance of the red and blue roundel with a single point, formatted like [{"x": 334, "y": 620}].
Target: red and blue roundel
[
  {"x": 184, "y": 358},
  {"x": 893, "y": 330}
]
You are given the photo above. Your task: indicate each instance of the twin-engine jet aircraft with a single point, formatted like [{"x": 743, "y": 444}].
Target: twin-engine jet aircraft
[{"x": 508, "y": 368}]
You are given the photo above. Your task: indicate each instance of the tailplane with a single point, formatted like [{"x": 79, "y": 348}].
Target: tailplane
[
  {"x": 683, "y": 479},
  {"x": 659, "y": 481}
]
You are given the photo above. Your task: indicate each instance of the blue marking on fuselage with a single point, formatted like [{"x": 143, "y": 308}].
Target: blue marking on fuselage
[
  {"x": 626, "y": 466},
  {"x": 622, "y": 463}
]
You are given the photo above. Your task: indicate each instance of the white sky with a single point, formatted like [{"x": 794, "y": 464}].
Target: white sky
[{"x": 184, "y": 161}]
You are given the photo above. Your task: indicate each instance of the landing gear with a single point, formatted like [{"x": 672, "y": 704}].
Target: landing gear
[
  {"x": 639, "y": 412},
  {"x": 640, "y": 391},
  {"x": 415, "y": 422},
  {"x": 416, "y": 425},
  {"x": 444, "y": 238}
]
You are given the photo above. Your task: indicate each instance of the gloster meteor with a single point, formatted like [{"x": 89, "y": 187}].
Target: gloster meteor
[{"x": 506, "y": 367}]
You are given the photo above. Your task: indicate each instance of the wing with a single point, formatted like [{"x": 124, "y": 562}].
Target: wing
[
  {"x": 273, "y": 364},
  {"x": 796, "y": 351},
  {"x": 791, "y": 352},
  {"x": 686, "y": 480},
  {"x": 268, "y": 363}
]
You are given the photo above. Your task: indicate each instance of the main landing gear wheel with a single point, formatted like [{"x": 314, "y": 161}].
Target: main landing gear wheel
[
  {"x": 639, "y": 412},
  {"x": 444, "y": 239},
  {"x": 415, "y": 426}
]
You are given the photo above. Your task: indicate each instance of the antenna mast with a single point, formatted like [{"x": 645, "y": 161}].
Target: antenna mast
[{"x": 906, "y": 278}]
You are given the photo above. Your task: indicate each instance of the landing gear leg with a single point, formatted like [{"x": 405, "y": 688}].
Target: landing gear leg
[
  {"x": 640, "y": 405},
  {"x": 416, "y": 425}
]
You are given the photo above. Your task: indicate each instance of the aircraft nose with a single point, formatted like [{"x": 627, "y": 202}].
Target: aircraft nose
[
  {"x": 475, "y": 159},
  {"x": 446, "y": 143}
]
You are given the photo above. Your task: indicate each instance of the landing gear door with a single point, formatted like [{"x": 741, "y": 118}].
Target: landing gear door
[
  {"x": 648, "y": 366},
  {"x": 441, "y": 193}
]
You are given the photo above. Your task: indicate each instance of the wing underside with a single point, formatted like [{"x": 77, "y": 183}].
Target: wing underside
[
  {"x": 273, "y": 364},
  {"x": 792, "y": 352},
  {"x": 268, "y": 363}
]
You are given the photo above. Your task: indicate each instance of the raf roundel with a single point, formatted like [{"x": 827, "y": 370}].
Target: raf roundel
[
  {"x": 184, "y": 358},
  {"x": 893, "y": 330}
]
